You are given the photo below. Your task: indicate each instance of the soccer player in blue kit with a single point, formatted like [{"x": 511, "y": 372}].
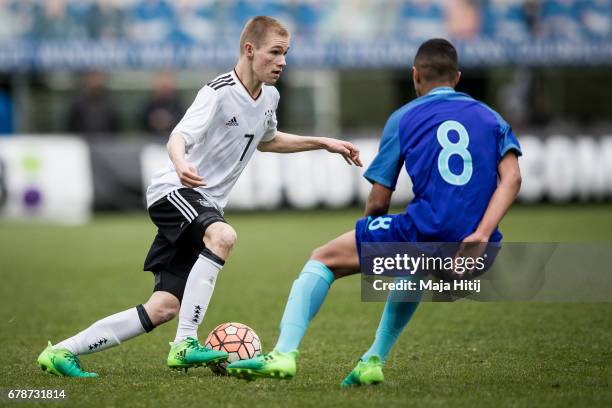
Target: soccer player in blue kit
[{"x": 462, "y": 158}]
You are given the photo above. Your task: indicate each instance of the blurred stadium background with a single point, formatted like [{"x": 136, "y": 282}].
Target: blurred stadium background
[{"x": 112, "y": 77}]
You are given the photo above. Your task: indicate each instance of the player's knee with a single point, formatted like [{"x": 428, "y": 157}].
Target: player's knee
[
  {"x": 222, "y": 239},
  {"x": 334, "y": 259},
  {"x": 226, "y": 239},
  {"x": 324, "y": 255}
]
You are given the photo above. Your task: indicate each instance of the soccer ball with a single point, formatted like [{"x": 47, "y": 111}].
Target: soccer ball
[{"x": 237, "y": 339}]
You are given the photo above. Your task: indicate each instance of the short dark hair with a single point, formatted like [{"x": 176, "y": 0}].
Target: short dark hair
[{"x": 436, "y": 60}]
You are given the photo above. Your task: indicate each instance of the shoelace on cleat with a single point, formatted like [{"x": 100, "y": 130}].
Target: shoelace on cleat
[
  {"x": 195, "y": 344},
  {"x": 73, "y": 360}
]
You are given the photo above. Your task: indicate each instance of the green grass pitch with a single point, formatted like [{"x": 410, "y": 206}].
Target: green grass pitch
[{"x": 56, "y": 281}]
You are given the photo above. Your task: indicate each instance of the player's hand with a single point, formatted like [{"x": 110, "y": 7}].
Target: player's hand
[
  {"x": 473, "y": 246},
  {"x": 476, "y": 237},
  {"x": 347, "y": 150},
  {"x": 188, "y": 175}
]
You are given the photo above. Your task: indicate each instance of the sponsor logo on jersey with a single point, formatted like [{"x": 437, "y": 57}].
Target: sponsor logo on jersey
[{"x": 232, "y": 122}]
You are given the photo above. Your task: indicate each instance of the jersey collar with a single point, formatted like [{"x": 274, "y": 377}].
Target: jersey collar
[
  {"x": 245, "y": 90},
  {"x": 441, "y": 90}
]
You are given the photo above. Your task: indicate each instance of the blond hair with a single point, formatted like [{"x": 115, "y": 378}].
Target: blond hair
[{"x": 257, "y": 29}]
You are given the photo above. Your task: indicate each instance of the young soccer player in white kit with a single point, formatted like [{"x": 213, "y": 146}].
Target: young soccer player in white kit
[{"x": 231, "y": 117}]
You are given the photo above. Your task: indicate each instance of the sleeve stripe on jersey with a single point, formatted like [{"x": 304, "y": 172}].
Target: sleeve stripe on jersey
[
  {"x": 212, "y": 85},
  {"x": 219, "y": 79},
  {"x": 222, "y": 84}
]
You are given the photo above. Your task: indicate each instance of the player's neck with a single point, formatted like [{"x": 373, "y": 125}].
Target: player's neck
[
  {"x": 426, "y": 88},
  {"x": 246, "y": 75}
]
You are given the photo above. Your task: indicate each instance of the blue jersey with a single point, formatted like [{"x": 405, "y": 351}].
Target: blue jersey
[{"x": 450, "y": 145}]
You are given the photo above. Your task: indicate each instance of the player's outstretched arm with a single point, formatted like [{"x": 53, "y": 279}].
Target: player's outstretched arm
[
  {"x": 186, "y": 172},
  {"x": 507, "y": 189},
  {"x": 289, "y": 143}
]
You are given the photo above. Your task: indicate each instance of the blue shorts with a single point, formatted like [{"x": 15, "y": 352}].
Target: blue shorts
[
  {"x": 398, "y": 228},
  {"x": 384, "y": 228}
]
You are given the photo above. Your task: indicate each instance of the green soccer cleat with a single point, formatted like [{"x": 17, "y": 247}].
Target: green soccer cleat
[
  {"x": 276, "y": 364},
  {"x": 365, "y": 373},
  {"x": 61, "y": 362},
  {"x": 189, "y": 353}
]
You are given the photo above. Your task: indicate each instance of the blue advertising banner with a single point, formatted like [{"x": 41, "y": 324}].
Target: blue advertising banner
[{"x": 76, "y": 55}]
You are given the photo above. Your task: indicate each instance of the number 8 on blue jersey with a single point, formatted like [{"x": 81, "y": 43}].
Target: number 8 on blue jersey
[{"x": 449, "y": 148}]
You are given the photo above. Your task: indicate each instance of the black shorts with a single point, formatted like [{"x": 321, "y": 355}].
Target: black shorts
[{"x": 181, "y": 218}]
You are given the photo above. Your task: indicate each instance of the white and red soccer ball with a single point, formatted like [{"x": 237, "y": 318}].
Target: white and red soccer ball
[{"x": 237, "y": 339}]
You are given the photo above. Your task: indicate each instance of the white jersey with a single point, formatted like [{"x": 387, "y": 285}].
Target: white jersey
[{"x": 222, "y": 129}]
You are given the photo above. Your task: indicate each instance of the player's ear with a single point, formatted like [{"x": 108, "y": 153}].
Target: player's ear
[
  {"x": 457, "y": 78},
  {"x": 415, "y": 76},
  {"x": 249, "y": 50}
]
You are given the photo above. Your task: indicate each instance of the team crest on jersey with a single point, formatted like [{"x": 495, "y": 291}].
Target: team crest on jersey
[{"x": 269, "y": 122}]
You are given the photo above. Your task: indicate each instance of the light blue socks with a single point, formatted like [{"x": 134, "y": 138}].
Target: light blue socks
[
  {"x": 305, "y": 299},
  {"x": 394, "y": 318}
]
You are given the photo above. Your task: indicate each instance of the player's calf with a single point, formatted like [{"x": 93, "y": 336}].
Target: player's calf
[
  {"x": 110, "y": 331},
  {"x": 339, "y": 255}
]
